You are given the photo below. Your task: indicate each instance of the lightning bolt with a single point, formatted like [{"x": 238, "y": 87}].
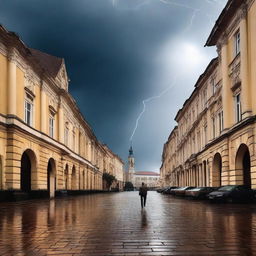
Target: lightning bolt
[
  {"x": 148, "y": 100},
  {"x": 211, "y": 2},
  {"x": 177, "y": 4},
  {"x": 188, "y": 27},
  {"x": 116, "y": 5},
  {"x": 175, "y": 79}
]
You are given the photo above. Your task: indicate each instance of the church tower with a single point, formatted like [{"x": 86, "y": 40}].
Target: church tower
[{"x": 131, "y": 169}]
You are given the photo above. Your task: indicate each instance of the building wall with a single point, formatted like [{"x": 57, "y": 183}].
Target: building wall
[
  {"x": 150, "y": 180},
  {"x": 200, "y": 153},
  {"x": 114, "y": 166},
  {"x": 77, "y": 160}
]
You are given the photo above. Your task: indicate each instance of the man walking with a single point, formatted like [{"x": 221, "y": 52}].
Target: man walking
[{"x": 143, "y": 194}]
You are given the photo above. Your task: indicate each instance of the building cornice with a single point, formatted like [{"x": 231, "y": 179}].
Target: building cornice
[
  {"x": 14, "y": 122},
  {"x": 228, "y": 20}
]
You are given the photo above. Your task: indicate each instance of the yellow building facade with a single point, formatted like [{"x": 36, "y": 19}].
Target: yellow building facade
[
  {"x": 46, "y": 145},
  {"x": 214, "y": 141},
  {"x": 114, "y": 165}
]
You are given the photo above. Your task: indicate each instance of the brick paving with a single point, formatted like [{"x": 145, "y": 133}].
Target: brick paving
[{"x": 114, "y": 224}]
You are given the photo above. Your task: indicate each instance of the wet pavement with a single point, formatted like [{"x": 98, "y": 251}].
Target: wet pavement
[{"x": 114, "y": 224}]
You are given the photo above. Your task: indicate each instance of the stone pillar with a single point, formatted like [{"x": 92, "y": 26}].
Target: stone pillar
[
  {"x": 11, "y": 90},
  {"x": 43, "y": 108},
  {"x": 89, "y": 179},
  {"x": 86, "y": 178},
  {"x": 201, "y": 176},
  {"x": 245, "y": 92},
  {"x": 198, "y": 175},
  {"x": 226, "y": 92},
  {"x": 60, "y": 122}
]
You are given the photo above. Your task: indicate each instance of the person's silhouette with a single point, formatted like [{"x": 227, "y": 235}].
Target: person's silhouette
[{"x": 143, "y": 194}]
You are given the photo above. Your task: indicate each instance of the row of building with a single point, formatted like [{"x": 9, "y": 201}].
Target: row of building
[
  {"x": 46, "y": 145},
  {"x": 214, "y": 142}
]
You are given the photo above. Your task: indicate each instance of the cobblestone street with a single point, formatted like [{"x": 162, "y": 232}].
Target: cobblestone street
[{"x": 114, "y": 224}]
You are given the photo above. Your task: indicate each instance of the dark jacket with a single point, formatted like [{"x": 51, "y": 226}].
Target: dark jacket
[{"x": 143, "y": 191}]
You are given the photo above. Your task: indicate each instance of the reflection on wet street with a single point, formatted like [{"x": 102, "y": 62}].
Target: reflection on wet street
[{"x": 114, "y": 224}]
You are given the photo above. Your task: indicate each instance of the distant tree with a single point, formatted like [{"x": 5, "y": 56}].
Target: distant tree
[
  {"x": 109, "y": 178},
  {"x": 128, "y": 186}
]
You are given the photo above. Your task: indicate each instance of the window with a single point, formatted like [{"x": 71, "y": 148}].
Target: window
[
  {"x": 199, "y": 141},
  {"x": 213, "y": 127},
  {"x": 74, "y": 140},
  {"x": 28, "y": 110},
  {"x": 237, "y": 43},
  {"x": 238, "y": 108},
  {"x": 205, "y": 98},
  {"x": 221, "y": 123},
  {"x": 213, "y": 85},
  {"x": 193, "y": 144},
  {"x": 51, "y": 126},
  {"x": 66, "y": 136},
  {"x": 205, "y": 134}
]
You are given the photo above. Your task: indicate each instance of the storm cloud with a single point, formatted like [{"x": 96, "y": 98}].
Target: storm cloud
[{"x": 119, "y": 53}]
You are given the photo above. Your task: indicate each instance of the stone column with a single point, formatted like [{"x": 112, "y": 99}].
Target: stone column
[
  {"x": 245, "y": 92},
  {"x": 201, "y": 175},
  {"x": 226, "y": 92},
  {"x": 11, "y": 78},
  {"x": 43, "y": 108},
  {"x": 60, "y": 122},
  {"x": 89, "y": 179},
  {"x": 86, "y": 179}
]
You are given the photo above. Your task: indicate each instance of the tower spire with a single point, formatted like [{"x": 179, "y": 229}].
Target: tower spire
[{"x": 130, "y": 151}]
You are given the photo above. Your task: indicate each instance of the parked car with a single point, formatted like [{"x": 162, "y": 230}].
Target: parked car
[
  {"x": 171, "y": 190},
  {"x": 160, "y": 190},
  {"x": 168, "y": 190},
  {"x": 232, "y": 193},
  {"x": 200, "y": 192},
  {"x": 181, "y": 191}
]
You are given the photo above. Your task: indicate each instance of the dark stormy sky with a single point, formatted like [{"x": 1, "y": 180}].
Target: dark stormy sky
[{"x": 119, "y": 53}]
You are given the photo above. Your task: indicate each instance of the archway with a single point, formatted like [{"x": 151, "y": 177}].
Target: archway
[
  {"x": 216, "y": 170},
  {"x": 243, "y": 166},
  {"x": 28, "y": 165},
  {"x": 51, "y": 171},
  {"x": 73, "y": 177},
  {"x": 65, "y": 178}
]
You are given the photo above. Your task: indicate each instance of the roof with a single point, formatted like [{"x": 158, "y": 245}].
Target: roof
[
  {"x": 41, "y": 62},
  {"x": 226, "y": 15},
  {"x": 147, "y": 173},
  {"x": 106, "y": 147},
  {"x": 48, "y": 62}
]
